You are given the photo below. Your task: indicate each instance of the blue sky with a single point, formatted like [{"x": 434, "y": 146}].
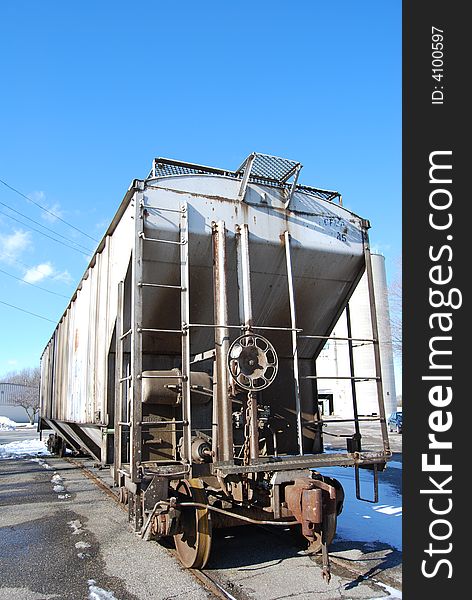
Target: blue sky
[{"x": 92, "y": 91}]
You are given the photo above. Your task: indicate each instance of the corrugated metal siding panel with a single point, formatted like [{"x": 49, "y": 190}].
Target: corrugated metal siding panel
[
  {"x": 77, "y": 352},
  {"x": 101, "y": 340},
  {"x": 10, "y": 393},
  {"x": 92, "y": 366}
]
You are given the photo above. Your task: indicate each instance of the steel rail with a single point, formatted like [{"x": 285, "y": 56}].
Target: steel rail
[{"x": 209, "y": 582}]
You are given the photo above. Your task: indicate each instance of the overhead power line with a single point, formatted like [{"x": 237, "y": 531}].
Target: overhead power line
[
  {"x": 33, "y": 284},
  {"x": 44, "y": 227},
  {"x": 9, "y": 258},
  {"x": 47, "y": 210},
  {"x": 27, "y": 311},
  {"x": 42, "y": 233}
]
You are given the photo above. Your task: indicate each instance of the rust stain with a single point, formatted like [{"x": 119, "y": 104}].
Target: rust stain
[{"x": 76, "y": 340}]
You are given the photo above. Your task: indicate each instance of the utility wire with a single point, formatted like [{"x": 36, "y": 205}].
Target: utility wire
[
  {"x": 42, "y": 233},
  {"x": 34, "y": 285},
  {"x": 9, "y": 258},
  {"x": 27, "y": 311},
  {"x": 44, "y": 227},
  {"x": 46, "y": 210}
]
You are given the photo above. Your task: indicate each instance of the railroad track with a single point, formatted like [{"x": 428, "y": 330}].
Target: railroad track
[
  {"x": 211, "y": 583},
  {"x": 220, "y": 589}
]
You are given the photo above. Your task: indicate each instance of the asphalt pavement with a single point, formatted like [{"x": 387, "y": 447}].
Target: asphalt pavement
[{"x": 62, "y": 537}]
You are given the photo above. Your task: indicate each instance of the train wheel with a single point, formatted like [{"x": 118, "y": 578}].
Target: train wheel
[
  {"x": 193, "y": 545},
  {"x": 56, "y": 445}
]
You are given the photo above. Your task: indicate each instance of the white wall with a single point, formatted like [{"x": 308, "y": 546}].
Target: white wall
[{"x": 15, "y": 413}]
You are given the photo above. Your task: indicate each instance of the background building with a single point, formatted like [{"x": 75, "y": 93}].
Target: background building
[
  {"x": 335, "y": 395},
  {"x": 11, "y": 394}
]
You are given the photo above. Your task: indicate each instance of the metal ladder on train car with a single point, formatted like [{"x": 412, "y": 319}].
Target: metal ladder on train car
[
  {"x": 355, "y": 441},
  {"x": 133, "y": 379}
]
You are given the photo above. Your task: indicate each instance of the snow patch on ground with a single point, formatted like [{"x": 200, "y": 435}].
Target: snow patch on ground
[
  {"x": 82, "y": 555},
  {"x": 363, "y": 521},
  {"x": 7, "y": 424},
  {"x": 394, "y": 593},
  {"x": 76, "y": 527},
  {"x": 23, "y": 449},
  {"x": 59, "y": 487},
  {"x": 97, "y": 593},
  {"x": 42, "y": 463},
  {"x": 36, "y": 448}
]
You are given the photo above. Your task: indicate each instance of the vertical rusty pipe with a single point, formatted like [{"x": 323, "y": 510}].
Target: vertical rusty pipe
[
  {"x": 223, "y": 400},
  {"x": 253, "y": 429},
  {"x": 214, "y": 420}
]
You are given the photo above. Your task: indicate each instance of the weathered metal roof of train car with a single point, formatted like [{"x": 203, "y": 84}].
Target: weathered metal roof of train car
[{"x": 277, "y": 175}]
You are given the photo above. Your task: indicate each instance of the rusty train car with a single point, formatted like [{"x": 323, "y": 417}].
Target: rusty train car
[{"x": 186, "y": 358}]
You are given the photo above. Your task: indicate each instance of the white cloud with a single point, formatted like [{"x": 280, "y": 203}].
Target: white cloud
[
  {"x": 65, "y": 277},
  {"x": 13, "y": 245},
  {"x": 54, "y": 213},
  {"x": 44, "y": 271},
  {"x": 37, "y": 196},
  {"x": 38, "y": 273},
  {"x": 54, "y": 210}
]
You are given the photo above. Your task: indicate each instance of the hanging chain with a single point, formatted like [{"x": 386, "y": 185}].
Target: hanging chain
[{"x": 247, "y": 420}]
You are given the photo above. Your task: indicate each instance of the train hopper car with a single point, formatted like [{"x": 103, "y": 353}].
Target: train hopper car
[{"x": 186, "y": 357}]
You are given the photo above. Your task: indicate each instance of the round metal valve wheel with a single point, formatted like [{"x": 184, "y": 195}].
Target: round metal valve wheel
[
  {"x": 193, "y": 545},
  {"x": 252, "y": 362}
]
